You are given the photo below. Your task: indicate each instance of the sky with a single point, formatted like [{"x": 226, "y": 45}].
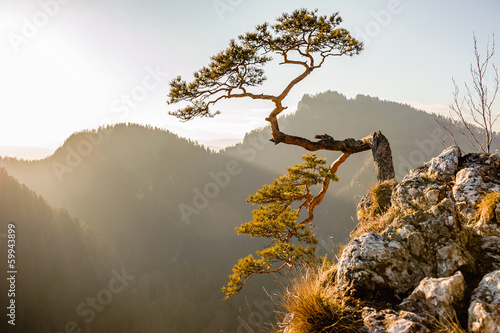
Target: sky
[{"x": 71, "y": 65}]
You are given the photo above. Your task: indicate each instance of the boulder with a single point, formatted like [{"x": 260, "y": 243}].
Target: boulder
[
  {"x": 431, "y": 250},
  {"x": 468, "y": 189},
  {"x": 490, "y": 251},
  {"x": 437, "y": 296},
  {"x": 378, "y": 267},
  {"x": 445, "y": 165},
  {"x": 484, "y": 309}
]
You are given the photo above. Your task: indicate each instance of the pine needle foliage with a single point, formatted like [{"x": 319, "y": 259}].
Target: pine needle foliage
[
  {"x": 280, "y": 204},
  {"x": 301, "y": 38}
]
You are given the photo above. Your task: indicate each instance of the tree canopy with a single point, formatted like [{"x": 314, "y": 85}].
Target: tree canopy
[{"x": 301, "y": 38}]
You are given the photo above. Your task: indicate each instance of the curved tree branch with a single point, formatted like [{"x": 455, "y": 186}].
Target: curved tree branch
[
  {"x": 376, "y": 142},
  {"x": 324, "y": 188}
]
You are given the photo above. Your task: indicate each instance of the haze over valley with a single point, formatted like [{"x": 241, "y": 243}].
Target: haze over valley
[{"x": 164, "y": 209}]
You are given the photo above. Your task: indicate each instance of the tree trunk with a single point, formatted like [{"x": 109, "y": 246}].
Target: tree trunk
[
  {"x": 376, "y": 141},
  {"x": 382, "y": 157}
]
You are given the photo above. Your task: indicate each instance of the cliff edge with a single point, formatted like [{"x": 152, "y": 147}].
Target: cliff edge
[{"x": 426, "y": 260}]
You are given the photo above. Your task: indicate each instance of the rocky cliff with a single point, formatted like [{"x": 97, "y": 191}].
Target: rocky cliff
[{"x": 429, "y": 259}]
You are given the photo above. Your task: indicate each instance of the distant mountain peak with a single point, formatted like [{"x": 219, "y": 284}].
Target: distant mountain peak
[{"x": 25, "y": 153}]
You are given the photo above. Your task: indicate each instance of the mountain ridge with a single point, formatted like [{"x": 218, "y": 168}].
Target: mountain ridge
[{"x": 171, "y": 206}]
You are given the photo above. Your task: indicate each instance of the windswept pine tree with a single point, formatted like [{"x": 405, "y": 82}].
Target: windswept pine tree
[{"x": 302, "y": 39}]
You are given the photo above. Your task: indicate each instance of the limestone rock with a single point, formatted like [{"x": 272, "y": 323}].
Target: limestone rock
[
  {"x": 479, "y": 173},
  {"x": 375, "y": 321},
  {"x": 431, "y": 250},
  {"x": 488, "y": 166},
  {"x": 484, "y": 310},
  {"x": 468, "y": 189},
  {"x": 490, "y": 247},
  {"x": 437, "y": 296},
  {"x": 445, "y": 165},
  {"x": 406, "y": 326},
  {"x": 451, "y": 257},
  {"x": 431, "y": 243},
  {"x": 374, "y": 264},
  {"x": 390, "y": 321},
  {"x": 427, "y": 237},
  {"x": 418, "y": 192}
]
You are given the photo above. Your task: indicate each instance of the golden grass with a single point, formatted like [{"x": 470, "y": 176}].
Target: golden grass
[
  {"x": 377, "y": 224},
  {"x": 486, "y": 208},
  {"x": 447, "y": 325},
  {"x": 339, "y": 250},
  {"x": 378, "y": 216},
  {"x": 313, "y": 307},
  {"x": 381, "y": 195}
]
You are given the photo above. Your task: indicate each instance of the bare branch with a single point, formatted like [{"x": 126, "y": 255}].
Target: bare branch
[{"x": 478, "y": 104}]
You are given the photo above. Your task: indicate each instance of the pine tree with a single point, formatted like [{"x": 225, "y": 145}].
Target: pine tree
[
  {"x": 277, "y": 218},
  {"x": 302, "y": 39}
]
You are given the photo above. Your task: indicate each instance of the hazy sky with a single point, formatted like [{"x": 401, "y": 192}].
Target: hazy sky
[{"x": 69, "y": 65}]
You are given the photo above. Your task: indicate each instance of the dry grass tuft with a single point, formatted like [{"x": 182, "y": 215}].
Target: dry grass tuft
[
  {"x": 381, "y": 195},
  {"x": 486, "y": 208},
  {"x": 339, "y": 250},
  {"x": 312, "y": 306},
  {"x": 373, "y": 224},
  {"x": 377, "y": 214},
  {"x": 447, "y": 325}
]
